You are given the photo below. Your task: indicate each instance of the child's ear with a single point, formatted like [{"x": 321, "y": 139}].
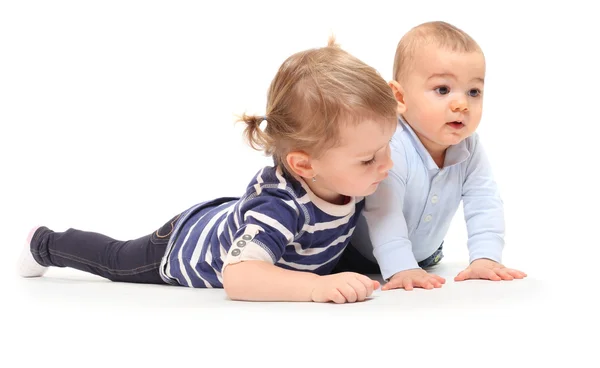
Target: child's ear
[
  {"x": 299, "y": 163},
  {"x": 398, "y": 92}
]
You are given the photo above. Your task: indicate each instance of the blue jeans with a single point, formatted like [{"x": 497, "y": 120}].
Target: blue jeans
[
  {"x": 136, "y": 260},
  {"x": 352, "y": 261}
]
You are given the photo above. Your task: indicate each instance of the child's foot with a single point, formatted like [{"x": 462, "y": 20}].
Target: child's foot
[{"x": 28, "y": 266}]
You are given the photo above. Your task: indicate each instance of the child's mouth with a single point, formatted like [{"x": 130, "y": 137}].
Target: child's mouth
[{"x": 456, "y": 124}]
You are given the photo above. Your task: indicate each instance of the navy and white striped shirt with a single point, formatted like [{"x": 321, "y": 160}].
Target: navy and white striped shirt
[{"x": 278, "y": 220}]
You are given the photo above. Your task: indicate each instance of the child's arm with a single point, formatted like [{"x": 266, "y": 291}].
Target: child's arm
[
  {"x": 483, "y": 207},
  {"x": 269, "y": 223},
  {"x": 389, "y": 236},
  {"x": 262, "y": 281},
  {"x": 387, "y": 227},
  {"x": 484, "y": 215},
  {"x": 388, "y": 231}
]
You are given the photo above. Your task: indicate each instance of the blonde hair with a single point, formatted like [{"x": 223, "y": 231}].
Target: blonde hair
[
  {"x": 312, "y": 94},
  {"x": 436, "y": 33}
]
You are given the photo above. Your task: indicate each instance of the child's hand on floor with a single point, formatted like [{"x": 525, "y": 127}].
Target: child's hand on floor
[
  {"x": 488, "y": 270},
  {"x": 343, "y": 287},
  {"x": 414, "y": 278}
]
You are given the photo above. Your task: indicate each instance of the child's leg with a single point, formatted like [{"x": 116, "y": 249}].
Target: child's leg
[
  {"x": 433, "y": 259},
  {"x": 135, "y": 260}
]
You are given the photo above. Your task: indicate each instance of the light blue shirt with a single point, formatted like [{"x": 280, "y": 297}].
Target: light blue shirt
[{"x": 408, "y": 216}]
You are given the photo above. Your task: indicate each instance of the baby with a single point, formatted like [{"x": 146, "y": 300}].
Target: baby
[{"x": 439, "y": 73}]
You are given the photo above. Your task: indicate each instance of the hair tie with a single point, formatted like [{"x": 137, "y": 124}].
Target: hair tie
[{"x": 262, "y": 123}]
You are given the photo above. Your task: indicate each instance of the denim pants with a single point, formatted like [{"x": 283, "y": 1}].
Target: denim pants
[
  {"x": 353, "y": 261},
  {"x": 135, "y": 260}
]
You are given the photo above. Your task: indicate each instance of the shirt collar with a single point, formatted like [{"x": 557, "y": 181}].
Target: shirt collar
[{"x": 327, "y": 207}]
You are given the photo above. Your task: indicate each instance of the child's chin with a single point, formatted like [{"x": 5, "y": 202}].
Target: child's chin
[
  {"x": 454, "y": 140},
  {"x": 370, "y": 190}
]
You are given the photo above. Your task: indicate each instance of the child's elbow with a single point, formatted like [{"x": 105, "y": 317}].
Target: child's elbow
[{"x": 232, "y": 282}]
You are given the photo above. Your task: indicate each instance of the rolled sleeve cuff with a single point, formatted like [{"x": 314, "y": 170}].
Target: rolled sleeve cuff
[
  {"x": 489, "y": 250},
  {"x": 393, "y": 258},
  {"x": 246, "y": 248}
]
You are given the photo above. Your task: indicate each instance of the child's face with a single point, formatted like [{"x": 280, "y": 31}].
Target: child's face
[
  {"x": 443, "y": 96},
  {"x": 358, "y": 164}
]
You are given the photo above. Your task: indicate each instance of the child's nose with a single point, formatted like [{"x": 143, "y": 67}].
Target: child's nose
[
  {"x": 387, "y": 164},
  {"x": 459, "y": 105}
]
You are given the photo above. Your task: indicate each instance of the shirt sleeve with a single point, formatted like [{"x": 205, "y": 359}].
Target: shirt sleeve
[
  {"x": 386, "y": 223},
  {"x": 483, "y": 208},
  {"x": 267, "y": 224}
]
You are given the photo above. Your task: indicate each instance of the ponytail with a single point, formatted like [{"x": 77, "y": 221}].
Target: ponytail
[{"x": 255, "y": 136}]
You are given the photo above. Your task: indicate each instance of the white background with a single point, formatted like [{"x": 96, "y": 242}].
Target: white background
[{"x": 116, "y": 115}]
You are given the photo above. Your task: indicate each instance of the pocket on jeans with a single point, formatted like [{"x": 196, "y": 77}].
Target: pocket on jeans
[{"x": 162, "y": 235}]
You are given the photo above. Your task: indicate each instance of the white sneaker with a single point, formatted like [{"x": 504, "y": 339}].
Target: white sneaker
[{"x": 28, "y": 266}]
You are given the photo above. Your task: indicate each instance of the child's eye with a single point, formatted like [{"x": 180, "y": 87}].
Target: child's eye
[
  {"x": 443, "y": 90},
  {"x": 474, "y": 92},
  {"x": 370, "y": 162}
]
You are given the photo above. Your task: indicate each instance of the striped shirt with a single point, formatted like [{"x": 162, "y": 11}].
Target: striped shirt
[{"x": 278, "y": 220}]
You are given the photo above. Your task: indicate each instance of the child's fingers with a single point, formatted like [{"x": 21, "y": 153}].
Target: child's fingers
[
  {"x": 516, "y": 273},
  {"x": 504, "y": 274},
  {"x": 426, "y": 283},
  {"x": 389, "y": 285},
  {"x": 394, "y": 283},
  {"x": 369, "y": 284},
  {"x": 336, "y": 297},
  {"x": 407, "y": 283},
  {"x": 348, "y": 292},
  {"x": 376, "y": 285},
  {"x": 435, "y": 282},
  {"x": 359, "y": 288},
  {"x": 463, "y": 275},
  {"x": 490, "y": 275},
  {"x": 439, "y": 278}
]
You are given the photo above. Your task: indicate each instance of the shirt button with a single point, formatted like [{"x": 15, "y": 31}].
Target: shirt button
[
  {"x": 434, "y": 199},
  {"x": 241, "y": 243},
  {"x": 235, "y": 252},
  {"x": 246, "y": 237},
  {"x": 428, "y": 218}
]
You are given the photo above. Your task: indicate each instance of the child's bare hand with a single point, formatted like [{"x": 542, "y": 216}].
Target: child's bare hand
[
  {"x": 488, "y": 270},
  {"x": 343, "y": 287},
  {"x": 414, "y": 278}
]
